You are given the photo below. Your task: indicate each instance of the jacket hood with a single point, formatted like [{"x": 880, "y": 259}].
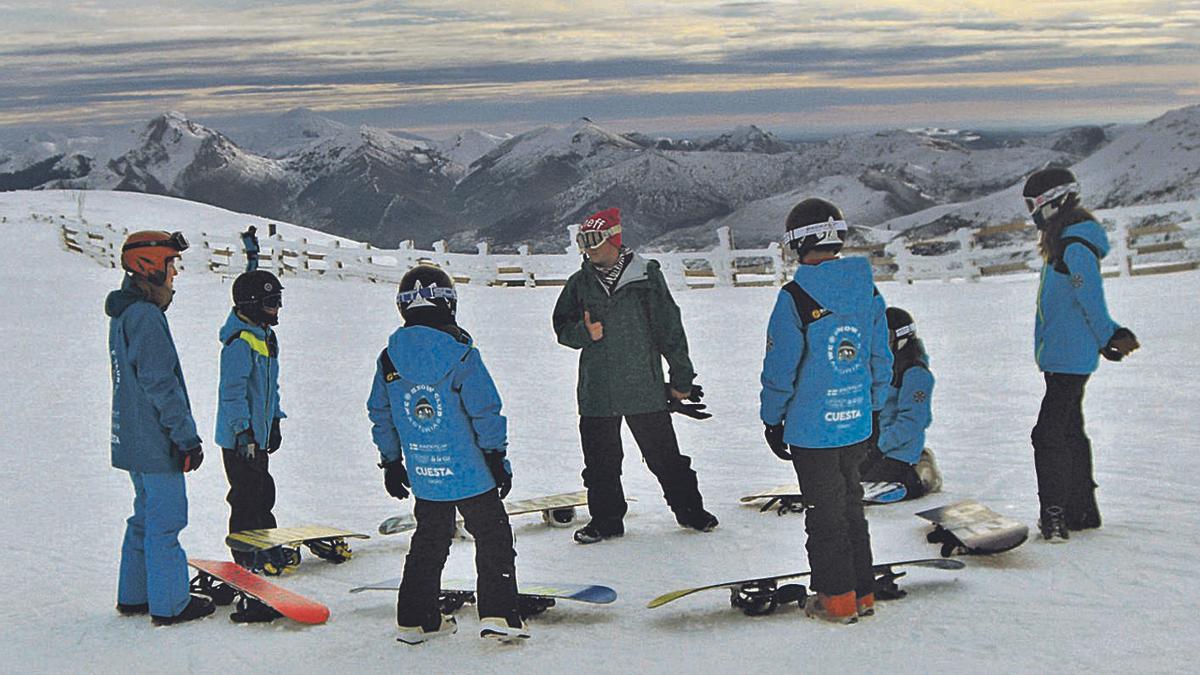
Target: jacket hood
[
  {"x": 425, "y": 355},
  {"x": 120, "y": 300},
  {"x": 838, "y": 284},
  {"x": 234, "y": 325},
  {"x": 1091, "y": 232}
]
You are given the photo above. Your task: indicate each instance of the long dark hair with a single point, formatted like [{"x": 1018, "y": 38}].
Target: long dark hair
[{"x": 1050, "y": 241}]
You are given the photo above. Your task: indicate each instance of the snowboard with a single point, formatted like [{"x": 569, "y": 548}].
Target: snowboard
[
  {"x": 325, "y": 542},
  {"x": 788, "y": 499},
  {"x": 534, "y": 598},
  {"x": 765, "y": 594},
  {"x": 249, "y": 589},
  {"x": 971, "y": 527},
  {"x": 556, "y": 510}
]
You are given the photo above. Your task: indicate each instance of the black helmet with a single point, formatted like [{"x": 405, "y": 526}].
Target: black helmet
[
  {"x": 427, "y": 296},
  {"x": 1049, "y": 192},
  {"x": 815, "y": 224},
  {"x": 901, "y": 327},
  {"x": 254, "y": 292}
]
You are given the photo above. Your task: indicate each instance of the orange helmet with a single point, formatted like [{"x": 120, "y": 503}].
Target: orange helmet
[{"x": 147, "y": 252}]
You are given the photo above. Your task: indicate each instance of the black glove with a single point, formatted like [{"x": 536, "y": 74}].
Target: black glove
[
  {"x": 189, "y": 460},
  {"x": 276, "y": 437},
  {"x": 1120, "y": 345},
  {"x": 501, "y": 472},
  {"x": 774, "y": 436},
  {"x": 695, "y": 409},
  {"x": 395, "y": 478},
  {"x": 245, "y": 444}
]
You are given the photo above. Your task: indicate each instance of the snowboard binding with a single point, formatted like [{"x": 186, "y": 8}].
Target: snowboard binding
[
  {"x": 532, "y": 605},
  {"x": 450, "y": 602},
  {"x": 335, "y": 550},
  {"x": 764, "y": 597},
  {"x": 277, "y": 561},
  {"x": 783, "y": 505},
  {"x": 559, "y": 517},
  {"x": 252, "y": 610},
  {"x": 950, "y": 543},
  {"x": 886, "y": 587},
  {"x": 221, "y": 593}
]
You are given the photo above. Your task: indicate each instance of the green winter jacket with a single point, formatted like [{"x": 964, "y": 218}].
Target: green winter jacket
[{"x": 621, "y": 374}]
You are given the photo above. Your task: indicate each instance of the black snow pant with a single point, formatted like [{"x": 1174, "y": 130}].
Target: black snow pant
[
  {"x": 603, "y": 455},
  {"x": 884, "y": 470},
  {"x": 839, "y": 542},
  {"x": 1062, "y": 453},
  {"x": 251, "y": 495},
  {"x": 495, "y": 559}
]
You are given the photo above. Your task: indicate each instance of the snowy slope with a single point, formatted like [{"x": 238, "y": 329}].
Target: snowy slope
[
  {"x": 1114, "y": 600},
  {"x": 466, "y": 147}
]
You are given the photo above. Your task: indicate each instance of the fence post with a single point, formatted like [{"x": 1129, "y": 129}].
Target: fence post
[
  {"x": 777, "y": 265},
  {"x": 721, "y": 257},
  {"x": 1124, "y": 256}
]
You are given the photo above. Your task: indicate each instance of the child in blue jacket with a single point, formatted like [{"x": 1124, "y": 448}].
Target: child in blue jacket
[
  {"x": 435, "y": 418},
  {"x": 899, "y": 454},
  {"x": 1072, "y": 330},
  {"x": 825, "y": 374},
  {"x": 248, "y": 413}
]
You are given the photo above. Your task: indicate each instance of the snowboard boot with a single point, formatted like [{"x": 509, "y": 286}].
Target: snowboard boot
[
  {"x": 133, "y": 609},
  {"x": 841, "y": 608},
  {"x": 415, "y": 635},
  {"x": 591, "y": 533},
  {"x": 928, "y": 472},
  {"x": 504, "y": 630},
  {"x": 697, "y": 519},
  {"x": 197, "y": 608},
  {"x": 866, "y": 604},
  {"x": 1053, "y": 525},
  {"x": 334, "y": 550}
]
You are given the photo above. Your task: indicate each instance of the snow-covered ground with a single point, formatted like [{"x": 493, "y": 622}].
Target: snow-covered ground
[{"x": 1117, "y": 599}]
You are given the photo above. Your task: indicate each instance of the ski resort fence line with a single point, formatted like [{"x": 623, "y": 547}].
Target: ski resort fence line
[{"x": 1148, "y": 239}]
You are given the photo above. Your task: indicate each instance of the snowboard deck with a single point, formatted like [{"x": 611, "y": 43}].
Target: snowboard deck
[
  {"x": 262, "y": 540},
  {"x": 885, "y": 578},
  {"x": 971, "y": 527},
  {"x": 787, "y": 498},
  {"x": 291, "y": 605},
  {"x": 545, "y": 505}
]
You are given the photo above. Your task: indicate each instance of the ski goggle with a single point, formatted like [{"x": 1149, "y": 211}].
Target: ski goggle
[
  {"x": 175, "y": 240},
  {"x": 427, "y": 292},
  {"x": 828, "y": 228},
  {"x": 1035, "y": 203},
  {"x": 273, "y": 301},
  {"x": 593, "y": 238}
]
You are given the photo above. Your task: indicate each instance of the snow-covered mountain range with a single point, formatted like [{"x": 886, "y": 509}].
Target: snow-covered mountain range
[{"x": 384, "y": 187}]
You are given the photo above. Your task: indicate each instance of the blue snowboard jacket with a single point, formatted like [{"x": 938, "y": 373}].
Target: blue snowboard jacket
[
  {"x": 1072, "y": 317},
  {"x": 440, "y": 408},
  {"x": 248, "y": 394},
  {"x": 906, "y": 414},
  {"x": 822, "y": 381},
  {"x": 151, "y": 414}
]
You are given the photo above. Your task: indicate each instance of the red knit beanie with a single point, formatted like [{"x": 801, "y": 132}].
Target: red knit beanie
[{"x": 604, "y": 220}]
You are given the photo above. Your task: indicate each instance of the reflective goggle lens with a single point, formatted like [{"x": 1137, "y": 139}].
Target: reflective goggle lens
[{"x": 273, "y": 301}]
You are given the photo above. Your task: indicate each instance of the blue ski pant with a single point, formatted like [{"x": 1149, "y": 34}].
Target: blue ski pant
[{"x": 153, "y": 564}]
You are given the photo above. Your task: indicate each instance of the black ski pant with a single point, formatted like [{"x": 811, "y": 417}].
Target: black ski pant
[
  {"x": 495, "y": 559},
  {"x": 603, "y": 455},
  {"x": 839, "y": 542},
  {"x": 1062, "y": 453},
  {"x": 886, "y": 470},
  {"x": 251, "y": 495}
]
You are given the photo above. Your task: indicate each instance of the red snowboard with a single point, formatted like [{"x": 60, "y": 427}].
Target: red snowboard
[{"x": 292, "y": 605}]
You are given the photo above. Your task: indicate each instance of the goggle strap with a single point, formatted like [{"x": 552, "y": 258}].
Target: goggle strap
[
  {"x": 427, "y": 292},
  {"x": 907, "y": 329},
  {"x": 816, "y": 228},
  {"x": 1035, "y": 203}
]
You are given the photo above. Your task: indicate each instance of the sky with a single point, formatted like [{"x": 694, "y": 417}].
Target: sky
[{"x": 435, "y": 67}]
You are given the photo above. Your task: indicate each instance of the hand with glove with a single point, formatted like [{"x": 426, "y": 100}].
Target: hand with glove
[
  {"x": 189, "y": 460},
  {"x": 276, "y": 437},
  {"x": 501, "y": 471},
  {"x": 774, "y": 436},
  {"x": 695, "y": 409},
  {"x": 395, "y": 478},
  {"x": 245, "y": 445},
  {"x": 1122, "y": 343}
]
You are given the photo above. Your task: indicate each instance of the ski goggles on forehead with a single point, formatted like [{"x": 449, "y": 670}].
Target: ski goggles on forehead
[
  {"x": 1035, "y": 203},
  {"x": 427, "y": 292},
  {"x": 175, "y": 240},
  {"x": 593, "y": 238}
]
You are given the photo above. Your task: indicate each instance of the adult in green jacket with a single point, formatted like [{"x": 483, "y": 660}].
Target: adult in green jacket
[{"x": 618, "y": 312}]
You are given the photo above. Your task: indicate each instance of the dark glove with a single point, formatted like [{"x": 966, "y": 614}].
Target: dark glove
[
  {"x": 189, "y": 460},
  {"x": 501, "y": 471},
  {"x": 245, "y": 445},
  {"x": 695, "y": 409},
  {"x": 774, "y": 436},
  {"x": 395, "y": 478},
  {"x": 276, "y": 437},
  {"x": 1121, "y": 344}
]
